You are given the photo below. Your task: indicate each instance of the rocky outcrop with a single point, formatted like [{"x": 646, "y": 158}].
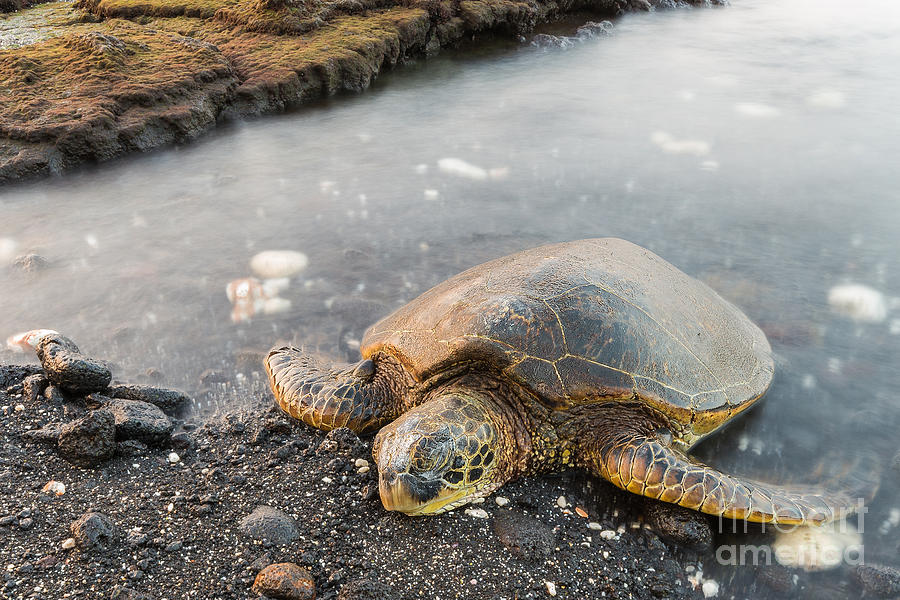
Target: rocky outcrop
[{"x": 102, "y": 78}]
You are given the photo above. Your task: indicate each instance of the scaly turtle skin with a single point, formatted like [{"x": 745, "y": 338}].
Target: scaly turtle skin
[{"x": 595, "y": 354}]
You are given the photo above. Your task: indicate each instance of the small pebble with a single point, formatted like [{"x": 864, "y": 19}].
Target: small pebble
[
  {"x": 68, "y": 543},
  {"x": 173, "y": 457},
  {"x": 551, "y": 587},
  {"x": 478, "y": 513},
  {"x": 501, "y": 500},
  {"x": 561, "y": 502},
  {"x": 57, "y": 488},
  {"x": 363, "y": 470},
  {"x": 581, "y": 512},
  {"x": 595, "y": 526},
  {"x": 361, "y": 462},
  {"x": 710, "y": 588},
  {"x": 608, "y": 534}
]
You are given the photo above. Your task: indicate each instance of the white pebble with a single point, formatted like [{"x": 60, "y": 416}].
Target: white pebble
[
  {"x": 328, "y": 480},
  {"x": 595, "y": 526},
  {"x": 478, "y": 513},
  {"x": 710, "y": 588},
  {"x": 817, "y": 548},
  {"x": 8, "y": 249},
  {"x": 361, "y": 462},
  {"x": 756, "y": 110},
  {"x": 68, "y": 543},
  {"x": 607, "y": 534},
  {"x": 273, "y": 264},
  {"x": 19, "y": 408},
  {"x": 275, "y": 306},
  {"x": 460, "y": 168},
  {"x": 273, "y": 287},
  {"x": 501, "y": 500},
  {"x": 173, "y": 457},
  {"x": 479, "y": 500},
  {"x": 668, "y": 144},
  {"x": 858, "y": 302},
  {"x": 57, "y": 488},
  {"x": 170, "y": 507},
  {"x": 363, "y": 470},
  {"x": 561, "y": 502},
  {"x": 551, "y": 587}
]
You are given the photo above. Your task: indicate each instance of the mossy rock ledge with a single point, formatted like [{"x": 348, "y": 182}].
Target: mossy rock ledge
[{"x": 94, "y": 79}]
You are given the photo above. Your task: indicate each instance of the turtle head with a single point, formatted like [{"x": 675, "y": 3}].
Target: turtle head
[{"x": 443, "y": 454}]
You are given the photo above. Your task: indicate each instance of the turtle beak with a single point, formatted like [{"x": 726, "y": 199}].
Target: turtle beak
[{"x": 414, "y": 496}]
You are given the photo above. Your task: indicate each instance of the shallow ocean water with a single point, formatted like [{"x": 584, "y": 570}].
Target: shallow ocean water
[{"x": 752, "y": 146}]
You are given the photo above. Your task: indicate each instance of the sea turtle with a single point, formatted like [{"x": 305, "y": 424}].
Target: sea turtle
[{"x": 595, "y": 354}]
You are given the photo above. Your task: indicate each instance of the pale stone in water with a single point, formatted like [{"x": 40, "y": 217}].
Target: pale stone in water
[
  {"x": 561, "y": 502},
  {"x": 361, "y": 462},
  {"x": 817, "y": 548},
  {"x": 68, "y": 543},
  {"x": 668, "y": 144},
  {"x": 551, "y": 587},
  {"x": 8, "y": 250},
  {"x": 273, "y": 264},
  {"x": 478, "y": 513},
  {"x": 274, "y": 306},
  {"x": 174, "y": 458},
  {"x": 460, "y": 168},
  {"x": 756, "y": 110},
  {"x": 501, "y": 501},
  {"x": 858, "y": 302}
]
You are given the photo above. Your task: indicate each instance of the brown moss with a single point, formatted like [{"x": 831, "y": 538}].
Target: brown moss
[{"x": 122, "y": 75}]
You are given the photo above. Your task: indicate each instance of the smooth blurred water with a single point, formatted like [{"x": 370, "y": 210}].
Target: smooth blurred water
[{"x": 754, "y": 146}]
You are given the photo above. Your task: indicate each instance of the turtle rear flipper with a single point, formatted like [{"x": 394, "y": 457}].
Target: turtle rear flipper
[
  {"x": 362, "y": 397},
  {"x": 642, "y": 463}
]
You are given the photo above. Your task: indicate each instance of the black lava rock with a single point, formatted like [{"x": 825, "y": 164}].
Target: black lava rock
[
  {"x": 367, "y": 589},
  {"x": 14, "y": 374},
  {"x": 524, "y": 536},
  {"x": 269, "y": 525},
  {"x": 90, "y": 440},
  {"x": 93, "y": 530},
  {"x": 139, "y": 421},
  {"x": 170, "y": 401},
  {"x": 34, "y": 386},
  {"x": 66, "y": 367},
  {"x": 687, "y": 528},
  {"x": 48, "y": 434},
  {"x": 879, "y": 580}
]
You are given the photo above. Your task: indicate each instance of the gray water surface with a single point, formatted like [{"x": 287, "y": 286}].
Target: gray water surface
[{"x": 755, "y": 147}]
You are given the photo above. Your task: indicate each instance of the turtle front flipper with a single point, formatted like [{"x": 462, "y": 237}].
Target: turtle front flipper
[
  {"x": 643, "y": 463},
  {"x": 362, "y": 397}
]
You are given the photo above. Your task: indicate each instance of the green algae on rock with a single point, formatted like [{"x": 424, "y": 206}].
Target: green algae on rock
[{"x": 92, "y": 80}]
